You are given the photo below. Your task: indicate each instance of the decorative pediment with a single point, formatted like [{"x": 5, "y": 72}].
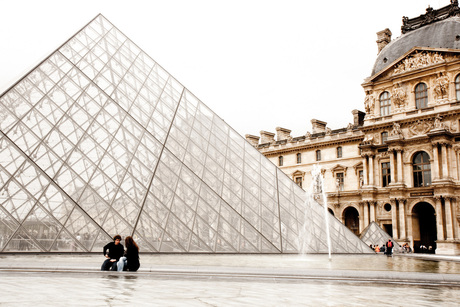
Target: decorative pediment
[{"x": 339, "y": 169}]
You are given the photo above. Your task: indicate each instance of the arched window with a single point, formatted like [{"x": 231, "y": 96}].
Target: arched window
[
  {"x": 318, "y": 155},
  {"x": 421, "y": 96},
  {"x": 457, "y": 87},
  {"x": 421, "y": 169},
  {"x": 299, "y": 158},
  {"x": 339, "y": 152},
  {"x": 280, "y": 160},
  {"x": 385, "y": 104}
]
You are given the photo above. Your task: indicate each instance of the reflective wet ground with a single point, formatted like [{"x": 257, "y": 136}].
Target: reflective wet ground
[{"x": 77, "y": 281}]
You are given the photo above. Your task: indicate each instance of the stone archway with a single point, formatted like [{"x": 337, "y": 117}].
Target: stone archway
[
  {"x": 331, "y": 211},
  {"x": 351, "y": 218},
  {"x": 424, "y": 228}
]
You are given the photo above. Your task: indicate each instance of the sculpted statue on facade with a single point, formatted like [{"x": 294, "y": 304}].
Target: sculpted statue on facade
[
  {"x": 368, "y": 139},
  {"x": 438, "y": 124},
  {"x": 398, "y": 96},
  {"x": 369, "y": 103},
  {"x": 441, "y": 86},
  {"x": 396, "y": 130}
]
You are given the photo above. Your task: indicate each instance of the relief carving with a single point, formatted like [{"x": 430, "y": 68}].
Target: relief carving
[
  {"x": 419, "y": 127},
  {"x": 396, "y": 130},
  {"x": 368, "y": 139},
  {"x": 418, "y": 60},
  {"x": 441, "y": 87},
  {"x": 398, "y": 96},
  {"x": 369, "y": 103}
]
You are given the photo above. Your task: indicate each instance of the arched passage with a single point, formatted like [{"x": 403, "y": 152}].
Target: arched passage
[
  {"x": 351, "y": 218},
  {"x": 331, "y": 211},
  {"x": 424, "y": 228}
]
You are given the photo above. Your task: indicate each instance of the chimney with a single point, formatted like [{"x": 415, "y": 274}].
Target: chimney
[
  {"x": 254, "y": 140},
  {"x": 267, "y": 137},
  {"x": 282, "y": 133},
  {"x": 358, "y": 117},
  {"x": 383, "y": 39},
  {"x": 318, "y": 126}
]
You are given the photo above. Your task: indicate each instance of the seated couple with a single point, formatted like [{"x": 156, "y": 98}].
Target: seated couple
[{"x": 118, "y": 259}]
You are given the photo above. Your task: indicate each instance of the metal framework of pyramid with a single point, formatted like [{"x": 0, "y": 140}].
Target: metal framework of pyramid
[
  {"x": 375, "y": 235},
  {"x": 99, "y": 140}
]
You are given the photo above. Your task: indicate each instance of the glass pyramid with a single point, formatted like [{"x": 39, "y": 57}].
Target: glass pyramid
[
  {"x": 99, "y": 140},
  {"x": 375, "y": 235}
]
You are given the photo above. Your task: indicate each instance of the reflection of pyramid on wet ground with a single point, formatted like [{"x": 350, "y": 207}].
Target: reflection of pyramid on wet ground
[
  {"x": 375, "y": 235},
  {"x": 99, "y": 140}
]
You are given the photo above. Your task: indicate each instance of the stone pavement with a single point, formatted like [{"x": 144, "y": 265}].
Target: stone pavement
[{"x": 231, "y": 280}]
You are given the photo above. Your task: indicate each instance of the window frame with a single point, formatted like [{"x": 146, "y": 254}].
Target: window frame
[
  {"x": 421, "y": 101},
  {"x": 385, "y": 103},
  {"x": 383, "y": 138},
  {"x": 318, "y": 155},
  {"x": 299, "y": 158},
  {"x": 385, "y": 168},
  {"x": 339, "y": 152},
  {"x": 280, "y": 161},
  {"x": 340, "y": 178},
  {"x": 421, "y": 176},
  {"x": 299, "y": 181},
  {"x": 457, "y": 87}
]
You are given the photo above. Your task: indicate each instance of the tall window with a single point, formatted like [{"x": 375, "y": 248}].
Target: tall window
[
  {"x": 339, "y": 181},
  {"x": 457, "y": 87},
  {"x": 421, "y": 96},
  {"x": 386, "y": 174},
  {"x": 280, "y": 160},
  {"x": 298, "y": 180},
  {"x": 299, "y": 158},
  {"x": 385, "y": 104},
  {"x": 384, "y": 137},
  {"x": 421, "y": 169},
  {"x": 318, "y": 155},
  {"x": 339, "y": 152}
]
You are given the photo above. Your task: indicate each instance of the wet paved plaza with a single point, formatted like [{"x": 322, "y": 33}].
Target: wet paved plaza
[{"x": 230, "y": 280}]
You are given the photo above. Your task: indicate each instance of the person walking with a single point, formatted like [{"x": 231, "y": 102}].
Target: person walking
[
  {"x": 112, "y": 251},
  {"x": 389, "y": 247},
  {"x": 130, "y": 260}
]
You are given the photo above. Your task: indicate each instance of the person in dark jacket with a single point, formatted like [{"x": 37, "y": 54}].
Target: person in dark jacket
[
  {"x": 112, "y": 251},
  {"x": 130, "y": 262}
]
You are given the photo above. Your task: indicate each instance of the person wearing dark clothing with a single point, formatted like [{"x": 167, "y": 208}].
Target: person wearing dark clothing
[
  {"x": 389, "y": 248},
  {"x": 112, "y": 251},
  {"x": 130, "y": 262}
]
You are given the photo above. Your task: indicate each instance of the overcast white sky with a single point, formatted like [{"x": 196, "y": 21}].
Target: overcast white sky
[{"x": 258, "y": 64}]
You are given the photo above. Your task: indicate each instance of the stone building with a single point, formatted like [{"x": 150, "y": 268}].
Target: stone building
[{"x": 398, "y": 163}]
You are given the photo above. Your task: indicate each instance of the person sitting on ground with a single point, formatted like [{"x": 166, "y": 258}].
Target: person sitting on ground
[
  {"x": 130, "y": 261},
  {"x": 377, "y": 249},
  {"x": 112, "y": 251}
]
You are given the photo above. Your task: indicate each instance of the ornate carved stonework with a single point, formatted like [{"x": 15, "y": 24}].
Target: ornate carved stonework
[
  {"x": 397, "y": 132},
  {"x": 369, "y": 139},
  {"x": 398, "y": 96},
  {"x": 441, "y": 86},
  {"x": 420, "y": 127},
  {"x": 418, "y": 60},
  {"x": 369, "y": 103}
]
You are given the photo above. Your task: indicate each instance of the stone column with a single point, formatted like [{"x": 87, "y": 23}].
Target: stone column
[
  {"x": 400, "y": 165},
  {"x": 444, "y": 162},
  {"x": 372, "y": 211},
  {"x": 393, "y": 166},
  {"x": 435, "y": 162},
  {"x": 366, "y": 182},
  {"x": 454, "y": 203},
  {"x": 361, "y": 220},
  {"x": 366, "y": 214},
  {"x": 371, "y": 170},
  {"x": 402, "y": 218},
  {"x": 439, "y": 222},
  {"x": 394, "y": 218},
  {"x": 449, "y": 223}
]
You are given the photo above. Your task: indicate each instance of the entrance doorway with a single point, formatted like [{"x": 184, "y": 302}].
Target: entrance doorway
[
  {"x": 351, "y": 217},
  {"x": 424, "y": 228}
]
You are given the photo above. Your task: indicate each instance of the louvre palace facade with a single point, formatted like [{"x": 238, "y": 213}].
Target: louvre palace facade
[{"x": 397, "y": 164}]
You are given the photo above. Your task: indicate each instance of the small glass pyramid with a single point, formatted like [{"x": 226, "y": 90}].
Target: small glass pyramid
[
  {"x": 375, "y": 235},
  {"x": 99, "y": 140}
]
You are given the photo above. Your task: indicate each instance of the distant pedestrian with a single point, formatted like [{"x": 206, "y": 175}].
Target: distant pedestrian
[
  {"x": 112, "y": 251},
  {"x": 130, "y": 260},
  {"x": 389, "y": 248}
]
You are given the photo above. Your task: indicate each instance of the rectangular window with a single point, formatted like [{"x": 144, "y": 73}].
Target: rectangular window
[
  {"x": 299, "y": 158},
  {"x": 340, "y": 181},
  {"x": 386, "y": 174},
  {"x": 384, "y": 137},
  {"x": 298, "y": 180},
  {"x": 318, "y": 155},
  {"x": 339, "y": 152}
]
